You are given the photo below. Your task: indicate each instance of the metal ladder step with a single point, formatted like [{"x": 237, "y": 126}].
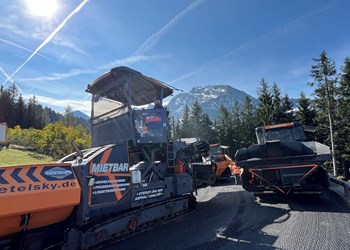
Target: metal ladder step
[{"x": 171, "y": 155}]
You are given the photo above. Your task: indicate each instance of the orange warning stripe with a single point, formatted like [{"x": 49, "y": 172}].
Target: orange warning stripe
[
  {"x": 7, "y": 175},
  {"x": 275, "y": 168},
  {"x": 90, "y": 188},
  {"x": 106, "y": 155},
  {"x": 281, "y": 125},
  {"x": 262, "y": 178},
  {"x": 36, "y": 173},
  {"x": 110, "y": 175},
  {"x": 22, "y": 175}
]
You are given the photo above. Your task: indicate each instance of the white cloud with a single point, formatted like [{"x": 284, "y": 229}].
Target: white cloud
[
  {"x": 132, "y": 59},
  {"x": 13, "y": 28},
  {"x": 83, "y": 106},
  {"x": 59, "y": 76},
  {"x": 78, "y": 72}
]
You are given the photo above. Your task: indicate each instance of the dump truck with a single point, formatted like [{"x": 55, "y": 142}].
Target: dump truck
[
  {"x": 133, "y": 178},
  {"x": 283, "y": 162}
]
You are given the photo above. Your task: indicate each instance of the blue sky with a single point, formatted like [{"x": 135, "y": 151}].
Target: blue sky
[{"x": 183, "y": 43}]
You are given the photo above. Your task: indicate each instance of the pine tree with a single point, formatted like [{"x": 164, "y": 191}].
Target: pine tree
[
  {"x": 20, "y": 112},
  {"x": 195, "y": 119},
  {"x": 6, "y": 107},
  {"x": 287, "y": 109},
  {"x": 325, "y": 76},
  {"x": 278, "y": 114},
  {"x": 177, "y": 130},
  {"x": 223, "y": 126},
  {"x": 69, "y": 120},
  {"x": 13, "y": 91},
  {"x": 31, "y": 113},
  {"x": 305, "y": 114},
  {"x": 344, "y": 115},
  {"x": 41, "y": 118},
  {"x": 235, "y": 131},
  {"x": 265, "y": 108},
  {"x": 185, "y": 126},
  {"x": 53, "y": 116},
  {"x": 249, "y": 122},
  {"x": 207, "y": 129}
]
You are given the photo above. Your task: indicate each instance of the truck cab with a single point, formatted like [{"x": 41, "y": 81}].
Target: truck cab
[{"x": 291, "y": 131}]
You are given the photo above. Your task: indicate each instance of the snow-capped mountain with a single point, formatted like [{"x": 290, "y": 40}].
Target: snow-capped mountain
[{"x": 210, "y": 97}]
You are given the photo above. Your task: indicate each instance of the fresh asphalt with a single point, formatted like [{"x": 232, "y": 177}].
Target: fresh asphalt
[{"x": 227, "y": 217}]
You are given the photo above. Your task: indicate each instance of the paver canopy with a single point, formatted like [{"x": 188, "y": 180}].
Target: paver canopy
[{"x": 129, "y": 87}]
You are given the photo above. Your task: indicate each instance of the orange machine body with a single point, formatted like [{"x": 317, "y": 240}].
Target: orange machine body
[
  {"x": 33, "y": 196},
  {"x": 222, "y": 164},
  {"x": 222, "y": 160}
]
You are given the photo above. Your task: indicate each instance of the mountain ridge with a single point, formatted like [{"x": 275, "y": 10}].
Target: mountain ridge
[
  {"x": 210, "y": 97},
  {"x": 79, "y": 114}
]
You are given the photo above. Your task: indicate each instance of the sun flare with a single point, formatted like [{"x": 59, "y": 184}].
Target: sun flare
[{"x": 45, "y": 8}]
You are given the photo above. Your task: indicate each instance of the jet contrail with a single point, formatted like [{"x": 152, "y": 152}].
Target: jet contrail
[
  {"x": 154, "y": 38},
  {"x": 252, "y": 42},
  {"x": 48, "y": 39},
  {"x": 8, "y": 77},
  {"x": 19, "y": 46}
]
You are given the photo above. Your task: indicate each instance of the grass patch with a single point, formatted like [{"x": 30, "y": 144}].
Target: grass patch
[{"x": 9, "y": 157}]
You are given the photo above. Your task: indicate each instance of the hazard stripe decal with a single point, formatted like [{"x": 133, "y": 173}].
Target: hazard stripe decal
[
  {"x": 2, "y": 180},
  {"x": 35, "y": 174},
  {"x": 31, "y": 176},
  {"x": 15, "y": 176}
]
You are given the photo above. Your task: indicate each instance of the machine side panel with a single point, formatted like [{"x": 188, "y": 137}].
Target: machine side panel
[
  {"x": 47, "y": 193},
  {"x": 110, "y": 189},
  {"x": 111, "y": 173}
]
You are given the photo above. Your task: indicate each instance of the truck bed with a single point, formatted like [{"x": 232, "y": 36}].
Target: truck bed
[
  {"x": 281, "y": 153},
  {"x": 284, "y": 167}
]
